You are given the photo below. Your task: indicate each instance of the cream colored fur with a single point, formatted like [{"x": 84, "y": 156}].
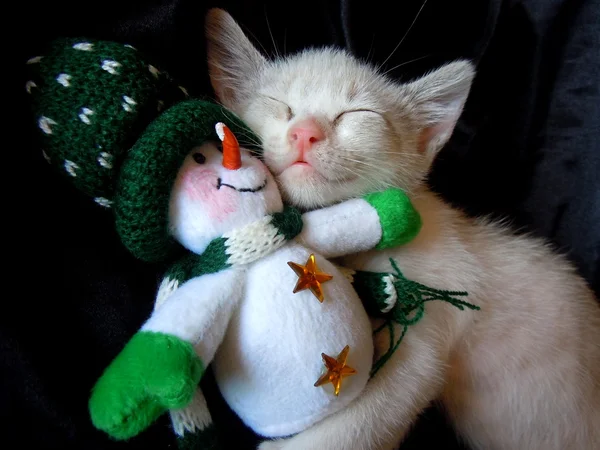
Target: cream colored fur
[{"x": 521, "y": 374}]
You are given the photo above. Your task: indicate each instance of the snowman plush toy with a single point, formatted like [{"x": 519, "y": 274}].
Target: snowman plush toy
[
  {"x": 249, "y": 290},
  {"x": 285, "y": 332}
]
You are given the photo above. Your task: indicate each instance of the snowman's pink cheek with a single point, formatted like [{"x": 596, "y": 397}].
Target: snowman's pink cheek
[
  {"x": 220, "y": 203},
  {"x": 200, "y": 186},
  {"x": 196, "y": 184}
]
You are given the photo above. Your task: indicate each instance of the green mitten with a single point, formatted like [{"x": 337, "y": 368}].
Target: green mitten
[
  {"x": 153, "y": 373},
  {"x": 400, "y": 221}
]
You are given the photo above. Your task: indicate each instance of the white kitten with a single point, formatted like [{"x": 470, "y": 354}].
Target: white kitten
[{"x": 521, "y": 374}]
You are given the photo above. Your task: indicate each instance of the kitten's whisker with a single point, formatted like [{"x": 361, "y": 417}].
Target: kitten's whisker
[
  {"x": 249, "y": 138},
  {"x": 400, "y": 155},
  {"x": 375, "y": 180},
  {"x": 271, "y": 34},
  {"x": 353, "y": 172},
  {"x": 403, "y": 37},
  {"x": 248, "y": 31},
  {"x": 371, "y": 185},
  {"x": 364, "y": 168},
  {"x": 371, "y": 47},
  {"x": 366, "y": 163},
  {"x": 242, "y": 133},
  {"x": 404, "y": 63}
]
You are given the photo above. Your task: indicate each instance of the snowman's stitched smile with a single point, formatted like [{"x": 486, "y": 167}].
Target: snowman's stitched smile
[{"x": 260, "y": 188}]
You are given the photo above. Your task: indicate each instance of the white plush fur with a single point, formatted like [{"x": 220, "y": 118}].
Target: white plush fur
[
  {"x": 199, "y": 311},
  {"x": 270, "y": 357},
  {"x": 522, "y": 373},
  {"x": 349, "y": 227}
]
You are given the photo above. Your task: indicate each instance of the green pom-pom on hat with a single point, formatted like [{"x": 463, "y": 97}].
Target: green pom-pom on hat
[
  {"x": 90, "y": 100},
  {"x": 150, "y": 169}
]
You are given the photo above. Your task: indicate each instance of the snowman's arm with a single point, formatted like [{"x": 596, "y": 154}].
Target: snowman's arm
[
  {"x": 198, "y": 311},
  {"x": 161, "y": 365},
  {"x": 376, "y": 221}
]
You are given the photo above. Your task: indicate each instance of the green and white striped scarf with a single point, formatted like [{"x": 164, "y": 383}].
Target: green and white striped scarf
[{"x": 240, "y": 246}]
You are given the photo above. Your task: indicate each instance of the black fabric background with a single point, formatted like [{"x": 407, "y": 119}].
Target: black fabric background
[{"x": 527, "y": 148}]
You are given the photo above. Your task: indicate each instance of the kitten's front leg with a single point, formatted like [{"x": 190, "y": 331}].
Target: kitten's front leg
[{"x": 381, "y": 416}]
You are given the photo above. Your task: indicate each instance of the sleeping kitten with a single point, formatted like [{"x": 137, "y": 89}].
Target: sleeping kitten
[{"x": 521, "y": 374}]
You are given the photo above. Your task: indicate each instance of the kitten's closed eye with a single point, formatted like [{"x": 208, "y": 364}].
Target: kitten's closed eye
[
  {"x": 340, "y": 115},
  {"x": 289, "y": 113}
]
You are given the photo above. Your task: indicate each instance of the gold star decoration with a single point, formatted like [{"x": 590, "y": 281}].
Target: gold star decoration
[
  {"x": 310, "y": 277},
  {"x": 336, "y": 370}
]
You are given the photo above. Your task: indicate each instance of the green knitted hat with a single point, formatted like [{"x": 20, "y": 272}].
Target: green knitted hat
[
  {"x": 119, "y": 128},
  {"x": 91, "y": 99},
  {"x": 148, "y": 173}
]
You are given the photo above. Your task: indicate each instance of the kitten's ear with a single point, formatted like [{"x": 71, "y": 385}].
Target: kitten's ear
[
  {"x": 232, "y": 59},
  {"x": 438, "y": 99}
]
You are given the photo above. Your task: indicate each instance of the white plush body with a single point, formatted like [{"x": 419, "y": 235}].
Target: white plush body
[
  {"x": 523, "y": 373},
  {"x": 270, "y": 357}
]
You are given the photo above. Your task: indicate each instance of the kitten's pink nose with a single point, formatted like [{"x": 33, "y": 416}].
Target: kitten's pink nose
[{"x": 304, "y": 134}]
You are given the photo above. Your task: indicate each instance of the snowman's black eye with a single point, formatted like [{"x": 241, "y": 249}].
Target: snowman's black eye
[{"x": 199, "y": 158}]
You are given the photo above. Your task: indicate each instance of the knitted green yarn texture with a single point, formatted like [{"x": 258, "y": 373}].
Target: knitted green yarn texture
[
  {"x": 90, "y": 100},
  {"x": 395, "y": 232},
  {"x": 371, "y": 289},
  {"x": 409, "y": 308},
  {"x": 216, "y": 256},
  {"x": 150, "y": 169},
  {"x": 289, "y": 222},
  {"x": 191, "y": 265}
]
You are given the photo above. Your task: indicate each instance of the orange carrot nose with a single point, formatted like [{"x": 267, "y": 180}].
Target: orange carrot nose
[{"x": 232, "y": 158}]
